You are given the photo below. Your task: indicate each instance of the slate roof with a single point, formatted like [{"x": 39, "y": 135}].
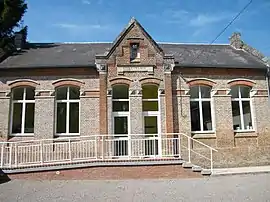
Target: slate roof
[{"x": 76, "y": 54}]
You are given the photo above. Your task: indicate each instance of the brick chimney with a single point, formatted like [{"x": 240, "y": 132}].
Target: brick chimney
[
  {"x": 19, "y": 40},
  {"x": 235, "y": 40}
]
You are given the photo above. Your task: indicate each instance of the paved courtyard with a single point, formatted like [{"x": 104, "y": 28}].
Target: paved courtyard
[{"x": 227, "y": 188}]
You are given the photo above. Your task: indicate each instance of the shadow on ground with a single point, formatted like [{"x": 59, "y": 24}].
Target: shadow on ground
[{"x": 3, "y": 177}]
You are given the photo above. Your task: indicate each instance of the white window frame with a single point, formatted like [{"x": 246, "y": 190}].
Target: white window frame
[
  {"x": 201, "y": 100},
  {"x": 24, "y": 102},
  {"x": 157, "y": 114},
  {"x": 240, "y": 102},
  {"x": 67, "y": 101}
]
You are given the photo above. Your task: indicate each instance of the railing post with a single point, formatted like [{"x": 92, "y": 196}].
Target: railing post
[
  {"x": 10, "y": 155},
  {"x": 96, "y": 146},
  {"x": 189, "y": 152},
  {"x": 69, "y": 149},
  {"x": 179, "y": 146},
  {"x": 41, "y": 152},
  {"x": 15, "y": 154},
  {"x": 211, "y": 160},
  {"x": 102, "y": 147},
  {"x": 129, "y": 146},
  {"x": 2, "y": 155}
]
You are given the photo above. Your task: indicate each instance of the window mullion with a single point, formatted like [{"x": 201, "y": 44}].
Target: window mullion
[
  {"x": 67, "y": 115},
  {"x": 201, "y": 115},
  {"x": 23, "y": 111},
  {"x": 200, "y": 108},
  {"x": 241, "y": 114},
  {"x": 241, "y": 109}
]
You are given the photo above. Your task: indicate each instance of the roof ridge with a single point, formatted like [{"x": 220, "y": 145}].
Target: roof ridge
[{"x": 179, "y": 43}]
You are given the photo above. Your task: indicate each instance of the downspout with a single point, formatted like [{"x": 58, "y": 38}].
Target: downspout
[{"x": 268, "y": 82}]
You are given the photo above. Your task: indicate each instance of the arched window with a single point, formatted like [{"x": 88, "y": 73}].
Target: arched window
[
  {"x": 67, "y": 110},
  {"x": 120, "y": 111},
  {"x": 241, "y": 108},
  {"x": 150, "y": 118},
  {"x": 23, "y": 110},
  {"x": 200, "y": 108},
  {"x": 120, "y": 98}
]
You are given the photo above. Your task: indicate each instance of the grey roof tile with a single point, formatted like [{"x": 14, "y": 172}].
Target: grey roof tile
[{"x": 76, "y": 54}]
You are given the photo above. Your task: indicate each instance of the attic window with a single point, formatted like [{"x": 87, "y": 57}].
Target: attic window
[{"x": 134, "y": 52}]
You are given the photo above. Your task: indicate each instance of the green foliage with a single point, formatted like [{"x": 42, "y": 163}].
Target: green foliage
[{"x": 11, "y": 13}]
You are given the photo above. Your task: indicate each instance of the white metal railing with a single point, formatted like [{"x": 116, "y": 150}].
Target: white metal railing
[{"x": 99, "y": 148}]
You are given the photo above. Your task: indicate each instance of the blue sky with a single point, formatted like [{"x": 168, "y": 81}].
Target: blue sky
[{"x": 182, "y": 21}]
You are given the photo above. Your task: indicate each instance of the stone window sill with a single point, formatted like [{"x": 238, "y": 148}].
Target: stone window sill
[
  {"x": 136, "y": 60},
  {"x": 250, "y": 133},
  {"x": 204, "y": 135},
  {"x": 17, "y": 138}
]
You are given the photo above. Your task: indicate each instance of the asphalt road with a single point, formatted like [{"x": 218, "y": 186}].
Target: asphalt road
[{"x": 228, "y": 188}]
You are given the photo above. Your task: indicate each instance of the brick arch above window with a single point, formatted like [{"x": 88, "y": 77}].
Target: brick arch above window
[
  {"x": 23, "y": 82},
  {"x": 121, "y": 80},
  {"x": 67, "y": 82},
  {"x": 150, "y": 80},
  {"x": 244, "y": 82},
  {"x": 201, "y": 81}
]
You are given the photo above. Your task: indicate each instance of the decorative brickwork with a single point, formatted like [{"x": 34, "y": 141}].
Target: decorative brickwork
[
  {"x": 206, "y": 82},
  {"x": 120, "y": 80},
  {"x": 67, "y": 82},
  {"x": 23, "y": 82},
  {"x": 149, "y": 80},
  {"x": 244, "y": 82}
]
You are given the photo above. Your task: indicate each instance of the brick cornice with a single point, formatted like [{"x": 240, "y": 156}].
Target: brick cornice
[
  {"x": 23, "y": 82},
  {"x": 245, "y": 82},
  {"x": 67, "y": 82},
  {"x": 201, "y": 81},
  {"x": 120, "y": 80},
  {"x": 150, "y": 80}
]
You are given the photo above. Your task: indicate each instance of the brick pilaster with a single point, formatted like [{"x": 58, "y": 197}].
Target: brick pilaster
[
  {"x": 168, "y": 101},
  {"x": 103, "y": 125}
]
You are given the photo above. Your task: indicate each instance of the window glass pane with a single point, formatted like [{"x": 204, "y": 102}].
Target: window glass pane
[
  {"x": 150, "y": 92},
  {"x": 236, "y": 115},
  {"x": 205, "y": 91},
  {"x": 120, "y": 92},
  {"x": 74, "y": 93},
  {"x": 207, "y": 119},
  {"x": 18, "y": 93},
  {"x": 195, "y": 116},
  {"x": 235, "y": 91},
  {"x": 17, "y": 118},
  {"x": 194, "y": 92},
  {"x": 150, "y": 105},
  {"x": 30, "y": 93},
  {"x": 61, "y": 117},
  {"x": 134, "y": 51},
  {"x": 74, "y": 118},
  {"x": 29, "y": 118},
  {"x": 120, "y": 106},
  {"x": 61, "y": 93},
  {"x": 245, "y": 90},
  {"x": 120, "y": 125},
  {"x": 150, "y": 125},
  {"x": 247, "y": 115}
]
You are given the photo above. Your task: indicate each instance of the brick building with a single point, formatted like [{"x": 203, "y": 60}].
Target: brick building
[{"x": 216, "y": 94}]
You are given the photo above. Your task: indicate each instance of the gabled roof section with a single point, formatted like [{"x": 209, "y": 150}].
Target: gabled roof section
[{"x": 121, "y": 36}]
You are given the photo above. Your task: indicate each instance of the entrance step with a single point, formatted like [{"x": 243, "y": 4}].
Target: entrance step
[
  {"x": 197, "y": 168},
  {"x": 206, "y": 172},
  {"x": 187, "y": 165},
  {"x": 112, "y": 173}
]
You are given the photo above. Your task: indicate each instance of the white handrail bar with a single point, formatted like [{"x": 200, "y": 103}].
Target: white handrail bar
[
  {"x": 193, "y": 140},
  {"x": 97, "y": 146}
]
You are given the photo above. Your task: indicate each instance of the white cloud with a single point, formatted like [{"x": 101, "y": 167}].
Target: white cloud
[
  {"x": 207, "y": 19},
  {"x": 86, "y": 2},
  {"x": 80, "y": 27}
]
